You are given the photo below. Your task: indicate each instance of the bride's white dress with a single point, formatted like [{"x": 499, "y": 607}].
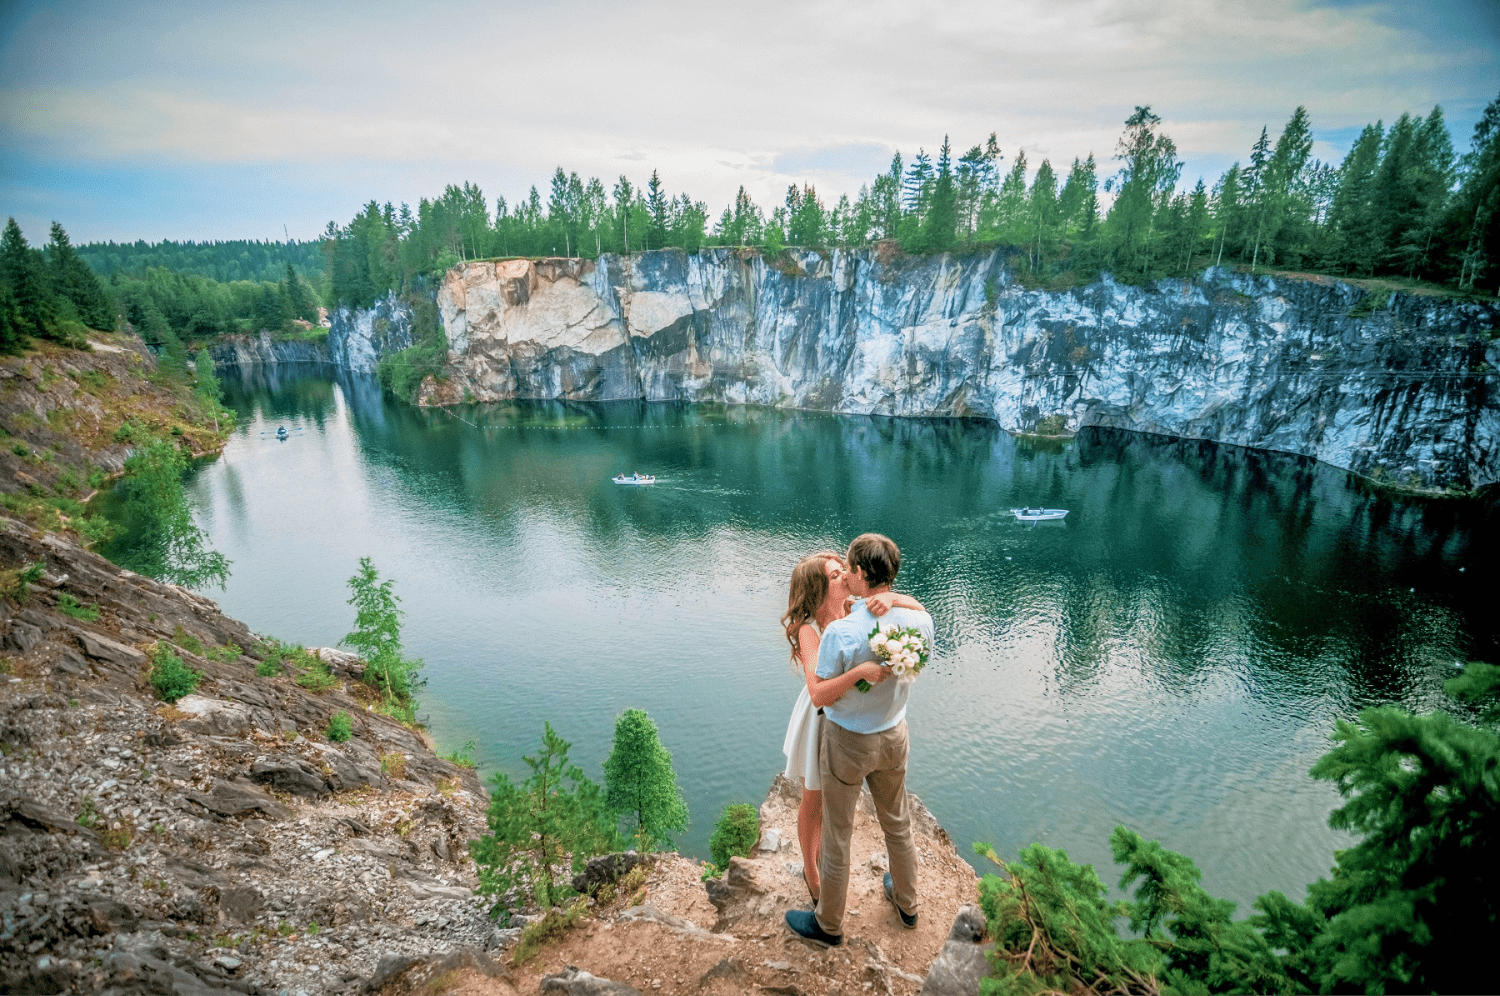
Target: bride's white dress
[{"x": 803, "y": 734}]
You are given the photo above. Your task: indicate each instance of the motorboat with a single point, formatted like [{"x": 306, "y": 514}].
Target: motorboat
[
  {"x": 635, "y": 479},
  {"x": 1038, "y": 514},
  {"x": 281, "y": 432}
]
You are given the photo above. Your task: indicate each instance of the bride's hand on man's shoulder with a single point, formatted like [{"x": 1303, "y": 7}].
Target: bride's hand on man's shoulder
[{"x": 880, "y": 604}]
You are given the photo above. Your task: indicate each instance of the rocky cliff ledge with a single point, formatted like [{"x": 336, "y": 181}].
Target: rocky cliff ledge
[
  {"x": 1405, "y": 391},
  {"x": 220, "y": 845}
]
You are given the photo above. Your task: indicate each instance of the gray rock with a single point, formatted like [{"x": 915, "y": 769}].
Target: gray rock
[
  {"x": 964, "y": 962},
  {"x": 22, "y": 637},
  {"x": 289, "y": 774},
  {"x": 237, "y": 799},
  {"x": 103, "y": 648},
  {"x": 575, "y": 982},
  {"x": 241, "y": 902},
  {"x": 215, "y": 717},
  {"x": 607, "y": 869}
]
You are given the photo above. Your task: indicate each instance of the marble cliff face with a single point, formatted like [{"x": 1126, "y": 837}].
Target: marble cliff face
[{"x": 1405, "y": 392}]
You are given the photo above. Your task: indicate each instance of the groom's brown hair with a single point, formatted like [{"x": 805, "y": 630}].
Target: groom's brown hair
[{"x": 877, "y": 556}]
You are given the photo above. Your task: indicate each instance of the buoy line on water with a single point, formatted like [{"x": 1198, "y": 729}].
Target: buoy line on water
[{"x": 642, "y": 425}]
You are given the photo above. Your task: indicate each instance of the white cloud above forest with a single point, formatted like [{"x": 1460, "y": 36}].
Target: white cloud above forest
[{"x": 714, "y": 96}]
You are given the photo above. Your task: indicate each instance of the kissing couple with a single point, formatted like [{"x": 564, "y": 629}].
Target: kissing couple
[{"x": 848, "y": 727}]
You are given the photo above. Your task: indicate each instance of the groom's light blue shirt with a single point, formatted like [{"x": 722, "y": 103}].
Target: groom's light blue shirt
[{"x": 846, "y": 644}]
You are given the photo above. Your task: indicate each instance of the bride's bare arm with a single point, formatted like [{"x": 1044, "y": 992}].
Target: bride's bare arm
[{"x": 824, "y": 691}]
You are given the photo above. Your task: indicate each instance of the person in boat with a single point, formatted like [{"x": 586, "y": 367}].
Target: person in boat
[{"x": 819, "y": 595}]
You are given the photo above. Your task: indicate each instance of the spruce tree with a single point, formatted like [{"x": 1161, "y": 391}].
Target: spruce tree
[
  {"x": 640, "y": 784},
  {"x": 74, "y": 280},
  {"x": 937, "y": 226},
  {"x": 35, "y": 311}
]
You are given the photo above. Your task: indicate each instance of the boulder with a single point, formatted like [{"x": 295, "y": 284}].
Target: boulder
[
  {"x": 238, "y": 799},
  {"x": 573, "y": 981},
  {"x": 215, "y": 717},
  {"x": 289, "y": 774},
  {"x": 606, "y": 869},
  {"x": 964, "y": 961}
]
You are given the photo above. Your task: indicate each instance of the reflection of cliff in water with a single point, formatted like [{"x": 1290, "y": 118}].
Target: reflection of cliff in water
[{"x": 277, "y": 391}]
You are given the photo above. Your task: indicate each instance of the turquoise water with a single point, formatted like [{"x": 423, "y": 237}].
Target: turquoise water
[{"x": 1172, "y": 656}]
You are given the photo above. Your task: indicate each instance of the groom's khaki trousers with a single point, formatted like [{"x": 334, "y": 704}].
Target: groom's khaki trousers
[{"x": 845, "y": 762}]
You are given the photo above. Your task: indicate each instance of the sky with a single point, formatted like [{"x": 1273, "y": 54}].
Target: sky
[{"x": 164, "y": 120}]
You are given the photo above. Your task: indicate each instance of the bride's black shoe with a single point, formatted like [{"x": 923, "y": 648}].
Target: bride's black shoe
[{"x": 810, "y": 893}]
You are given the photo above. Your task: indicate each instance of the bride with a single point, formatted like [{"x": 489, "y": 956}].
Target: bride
[{"x": 818, "y": 596}]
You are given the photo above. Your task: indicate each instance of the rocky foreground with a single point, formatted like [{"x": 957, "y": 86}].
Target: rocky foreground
[{"x": 223, "y": 844}]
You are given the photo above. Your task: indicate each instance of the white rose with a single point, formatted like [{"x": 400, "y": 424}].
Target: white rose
[
  {"x": 892, "y": 647},
  {"x": 898, "y": 668},
  {"x": 876, "y": 644}
]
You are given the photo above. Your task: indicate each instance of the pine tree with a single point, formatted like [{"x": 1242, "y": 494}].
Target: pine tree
[
  {"x": 557, "y": 819},
  {"x": 1474, "y": 217},
  {"x": 640, "y": 784},
  {"x": 1353, "y": 234}
]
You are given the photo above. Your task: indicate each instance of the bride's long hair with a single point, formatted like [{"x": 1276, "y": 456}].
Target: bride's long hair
[{"x": 808, "y": 592}]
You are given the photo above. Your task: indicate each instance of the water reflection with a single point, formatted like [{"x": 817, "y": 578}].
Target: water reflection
[{"x": 1170, "y": 656}]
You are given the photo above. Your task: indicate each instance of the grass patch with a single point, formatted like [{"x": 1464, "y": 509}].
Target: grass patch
[
  {"x": 269, "y": 668},
  {"x": 70, "y": 606},
  {"x": 88, "y": 815},
  {"x": 187, "y": 641},
  {"x": 228, "y": 652},
  {"x": 393, "y": 764},
  {"x": 117, "y": 840}
]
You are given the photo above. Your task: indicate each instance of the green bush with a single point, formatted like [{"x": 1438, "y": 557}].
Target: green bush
[
  {"x": 340, "y": 727},
  {"x": 171, "y": 678},
  {"x": 735, "y": 834},
  {"x": 268, "y": 668},
  {"x": 640, "y": 784}
]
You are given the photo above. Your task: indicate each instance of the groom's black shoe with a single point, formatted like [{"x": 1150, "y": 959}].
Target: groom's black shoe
[
  {"x": 805, "y": 925},
  {"x": 908, "y": 920}
]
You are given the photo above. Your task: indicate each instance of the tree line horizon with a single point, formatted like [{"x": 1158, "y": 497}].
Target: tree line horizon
[{"x": 1402, "y": 203}]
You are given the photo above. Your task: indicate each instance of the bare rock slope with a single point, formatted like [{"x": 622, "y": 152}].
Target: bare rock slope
[{"x": 218, "y": 845}]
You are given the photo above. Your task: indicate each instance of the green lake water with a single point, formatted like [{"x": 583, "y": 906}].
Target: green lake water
[{"x": 1172, "y": 656}]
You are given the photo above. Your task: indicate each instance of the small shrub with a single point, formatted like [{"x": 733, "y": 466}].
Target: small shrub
[
  {"x": 340, "y": 727},
  {"x": 88, "y": 816},
  {"x": 20, "y": 450},
  {"x": 553, "y": 925},
  {"x": 176, "y": 430},
  {"x": 171, "y": 678},
  {"x": 1052, "y": 425},
  {"x": 69, "y": 606},
  {"x": 17, "y": 582},
  {"x": 129, "y": 432},
  {"x": 94, "y": 529},
  {"x": 735, "y": 833},
  {"x": 268, "y": 668},
  {"x": 464, "y": 756}
]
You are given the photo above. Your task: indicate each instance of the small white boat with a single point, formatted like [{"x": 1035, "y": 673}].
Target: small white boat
[
  {"x": 1038, "y": 514},
  {"x": 635, "y": 479}
]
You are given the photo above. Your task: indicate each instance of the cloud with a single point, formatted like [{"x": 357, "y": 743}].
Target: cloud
[{"x": 714, "y": 96}]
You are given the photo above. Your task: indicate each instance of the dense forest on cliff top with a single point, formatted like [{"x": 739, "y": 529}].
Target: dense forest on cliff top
[{"x": 1401, "y": 204}]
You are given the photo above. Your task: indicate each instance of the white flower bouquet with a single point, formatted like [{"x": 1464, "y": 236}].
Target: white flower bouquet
[{"x": 904, "y": 650}]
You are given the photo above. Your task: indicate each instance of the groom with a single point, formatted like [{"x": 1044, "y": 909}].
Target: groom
[{"x": 864, "y": 742}]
